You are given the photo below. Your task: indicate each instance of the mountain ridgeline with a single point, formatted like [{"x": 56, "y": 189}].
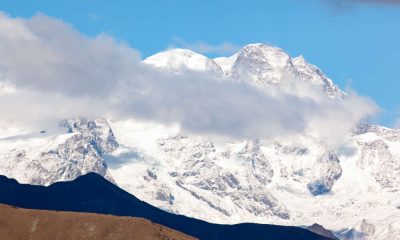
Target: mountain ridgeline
[{"x": 94, "y": 194}]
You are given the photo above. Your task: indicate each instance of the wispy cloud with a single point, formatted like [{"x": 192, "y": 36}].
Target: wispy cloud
[
  {"x": 397, "y": 124},
  {"x": 344, "y": 4},
  {"x": 224, "y": 48},
  {"x": 94, "y": 17},
  {"x": 378, "y": 1},
  {"x": 59, "y": 73}
]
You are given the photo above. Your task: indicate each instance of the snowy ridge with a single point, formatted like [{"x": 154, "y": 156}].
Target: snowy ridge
[
  {"x": 177, "y": 60},
  {"x": 313, "y": 74}
]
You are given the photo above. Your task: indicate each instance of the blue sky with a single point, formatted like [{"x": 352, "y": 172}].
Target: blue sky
[{"x": 354, "y": 44}]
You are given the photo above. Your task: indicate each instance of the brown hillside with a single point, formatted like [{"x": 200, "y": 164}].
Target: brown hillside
[{"x": 23, "y": 224}]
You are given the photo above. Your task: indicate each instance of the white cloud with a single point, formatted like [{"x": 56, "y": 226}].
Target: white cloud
[
  {"x": 94, "y": 17},
  {"x": 59, "y": 73},
  {"x": 397, "y": 123},
  {"x": 224, "y": 48}
]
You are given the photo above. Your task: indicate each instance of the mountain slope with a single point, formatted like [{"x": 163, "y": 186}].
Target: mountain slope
[
  {"x": 30, "y": 224},
  {"x": 92, "y": 193}
]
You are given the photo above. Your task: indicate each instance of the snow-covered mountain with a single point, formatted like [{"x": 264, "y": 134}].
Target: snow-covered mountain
[
  {"x": 177, "y": 60},
  {"x": 257, "y": 64},
  {"x": 353, "y": 190}
]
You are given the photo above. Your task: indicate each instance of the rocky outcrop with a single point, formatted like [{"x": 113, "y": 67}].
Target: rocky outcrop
[
  {"x": 327, "y": 171},
  {"x": 65, "y": 157}
]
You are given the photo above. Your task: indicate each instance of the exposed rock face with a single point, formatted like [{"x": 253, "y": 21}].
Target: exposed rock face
[
  {"x": 260, "y": 167},
  {"x": 377, "y": 157},
  {"x": 96, "y": 132},
  {"x": 329, "y": 170},
  {"x": 200, "y": 174}
]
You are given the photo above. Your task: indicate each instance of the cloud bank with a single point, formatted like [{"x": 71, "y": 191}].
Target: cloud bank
[{"x": 55, "y": 72}]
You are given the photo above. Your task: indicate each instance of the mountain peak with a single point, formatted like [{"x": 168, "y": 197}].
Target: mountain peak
[
  {"x": 262, "y": 64},
  {"x": 262, "y": 46},
  {"x": 261, "y": 49},
  {"x": 178, "y": 59},
  {"x": 299, "y": 58}
]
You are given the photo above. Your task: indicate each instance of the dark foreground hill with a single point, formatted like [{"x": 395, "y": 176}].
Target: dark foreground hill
[
  {"x": 22, "y": 224},
  {"x": 92, "y": 193}
]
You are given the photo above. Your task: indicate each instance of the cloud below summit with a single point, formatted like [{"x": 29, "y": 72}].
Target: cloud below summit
[{"x": 58, "y": 73}]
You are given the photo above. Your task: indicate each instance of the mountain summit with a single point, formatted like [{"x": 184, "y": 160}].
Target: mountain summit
[
  {"x": 178, "y": 59},
  {"x": 258, "y": 64}
]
